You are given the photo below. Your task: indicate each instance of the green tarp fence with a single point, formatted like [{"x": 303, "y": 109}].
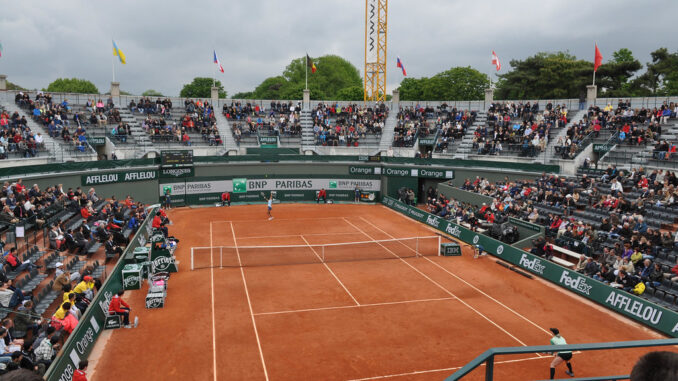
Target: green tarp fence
[
  {"x": 634, "y": 307},
  {"x": 81, "y": 342},
  {"x": 112, "y": 164}
]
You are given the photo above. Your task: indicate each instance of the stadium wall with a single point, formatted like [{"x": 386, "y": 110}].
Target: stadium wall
[
  {"x": 146, "y": 175},
  {"x": 631, "y": 306}
]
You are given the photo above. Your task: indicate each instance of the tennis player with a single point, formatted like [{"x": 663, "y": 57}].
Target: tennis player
[
  {"x": 270, "y": 206},
  {"x": 560, "y": 357}
]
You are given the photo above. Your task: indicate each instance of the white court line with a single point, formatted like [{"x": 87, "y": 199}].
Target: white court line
[
  {"x": 283, "y": 219},
  {"x": 468, "y": 284},
  {"x": 295, "y": 235},
  {"x": 346, "y": 307},
  {"x": 440, "y": 286},
  {"x": 214, "y": 329},
  {"x": 249, "y": 302},
  {"x": 330, "y": 270},
  {"x": 437, "y": 370}
]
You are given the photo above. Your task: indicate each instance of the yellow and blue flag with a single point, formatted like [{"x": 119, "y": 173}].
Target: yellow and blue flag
[{"x": 118, "y": 53}]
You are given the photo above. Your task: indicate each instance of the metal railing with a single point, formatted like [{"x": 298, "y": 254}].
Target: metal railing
[{"x": 488, "y": 356}]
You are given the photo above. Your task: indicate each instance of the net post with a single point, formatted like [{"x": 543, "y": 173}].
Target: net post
[
  {"x": 440, "y": 242},
  {"x": 192, "y": 268}
]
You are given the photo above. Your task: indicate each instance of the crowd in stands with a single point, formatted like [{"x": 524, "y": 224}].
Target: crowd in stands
[
  {"x": 77, "y": 224},
  {"x": 159, "y": 125},
  {"x": 518, "y": 127},
  {"x": 280, "y": 119},
  {"x": 54, "y": 117},
  {"x": 17, "y": 137},
  {"x": 334, "y": 125},
  {"x": 621, "y": 223},
  {"x": 421, "y": 122},
  {"x": 631, "y": 126}
]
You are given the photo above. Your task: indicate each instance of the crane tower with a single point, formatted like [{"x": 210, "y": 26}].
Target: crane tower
[{"x": 376, "y": 12}]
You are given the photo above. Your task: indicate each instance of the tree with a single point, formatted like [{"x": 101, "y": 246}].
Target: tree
[
  {"x": 243, "y": 95},
  {"x": 545, "y": 76},
  {"x": 353, "y": 93},
  {"x": 333, "y": 75},
  {"x": 201, "y": 87},
  {"x": 614, "y": 75},
  {"x": 72, "y": 85},
  {"x": 661, "y": 77},
  {"x": 455, "y": 84},
  {"x": 13, "y": 86},
  {"x": 151, "y": 93}
]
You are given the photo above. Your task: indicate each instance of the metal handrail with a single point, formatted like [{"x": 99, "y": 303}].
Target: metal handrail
[{"x": 488, "y": 356}]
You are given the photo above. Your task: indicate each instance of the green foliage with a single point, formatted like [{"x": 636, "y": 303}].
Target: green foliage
[
  {"x": 661, "y": 77},
  {"x": 12, "y": 86},
  {"x": 243, "y": 95},
  {"x": 72, "y": 85},
  {"x": 201, "y": 87},
  {"x": 623, "y": 55},
  {"x": 335, "y": 78},
  {"x": 152, "y": 93},
  {"x": 545, "y": 75},
  {"x": 353, "y": 93},
  {"x": 455, "y": 84}
]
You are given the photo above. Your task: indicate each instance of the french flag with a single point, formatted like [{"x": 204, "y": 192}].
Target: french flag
[
  {"x": 216, "y": 61},
  {"x": 401, "y": 66}
]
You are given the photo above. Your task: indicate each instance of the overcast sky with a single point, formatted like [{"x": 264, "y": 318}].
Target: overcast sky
[{"x": 169, "y": 44}]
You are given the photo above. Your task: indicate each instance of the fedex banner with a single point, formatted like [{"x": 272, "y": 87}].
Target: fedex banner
[{"x": 632, "y": 306}]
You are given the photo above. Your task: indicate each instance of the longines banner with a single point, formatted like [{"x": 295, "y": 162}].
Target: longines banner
[{"x": 627, "y": 304}]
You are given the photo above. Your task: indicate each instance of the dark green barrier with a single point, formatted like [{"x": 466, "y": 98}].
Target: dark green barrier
[
  {"x": 81, "y": 342},
  {"x": 75, "y": 166},
  {"x": 636, "y": 308},
  {"x": 264, "y": 156}
]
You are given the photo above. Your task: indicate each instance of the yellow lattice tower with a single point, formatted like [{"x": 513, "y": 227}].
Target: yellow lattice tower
[{"x": 375, "y": 49}]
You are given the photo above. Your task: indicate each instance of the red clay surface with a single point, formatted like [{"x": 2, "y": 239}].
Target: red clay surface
[{"x": 410, "y": 319}]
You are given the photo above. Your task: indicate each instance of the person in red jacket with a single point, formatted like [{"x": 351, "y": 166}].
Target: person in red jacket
[
  {"x": 121, "y": 308},
  {"x": 322, "y": 194},
  {"x": 80, "y": 374},
  {"x": 226, "y": 198}
]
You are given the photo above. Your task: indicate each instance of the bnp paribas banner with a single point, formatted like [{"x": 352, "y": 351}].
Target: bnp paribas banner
[
  {"x": 632, "y": 306},
  {"x": 286, "y": 189}
]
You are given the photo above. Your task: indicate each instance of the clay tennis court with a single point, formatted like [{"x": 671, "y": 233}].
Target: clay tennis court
[{"x": 410, "y": 318}]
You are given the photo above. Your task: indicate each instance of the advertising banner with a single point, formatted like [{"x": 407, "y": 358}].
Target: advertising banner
[{"x": 119, "y": 177}]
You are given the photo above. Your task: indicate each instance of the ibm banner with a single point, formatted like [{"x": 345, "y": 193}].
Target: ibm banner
[{"x": 632, "y": 306}]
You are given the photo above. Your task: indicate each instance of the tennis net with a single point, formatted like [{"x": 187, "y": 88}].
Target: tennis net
[{"x": 247, "y": 256}]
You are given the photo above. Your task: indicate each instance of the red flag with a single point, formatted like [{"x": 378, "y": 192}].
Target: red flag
[
  {"x": 495, "y": 61},
  {"x": 598, "y": 60},
  {"x": 401, "y": 66}
]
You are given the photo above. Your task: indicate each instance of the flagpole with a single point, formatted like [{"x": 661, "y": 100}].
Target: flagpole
[
  {"x": 113, "y": 66},
  {"x": 306, "y": 71}
]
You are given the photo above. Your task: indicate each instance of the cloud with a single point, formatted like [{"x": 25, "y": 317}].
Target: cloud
[{"x": 167, "y": 45}]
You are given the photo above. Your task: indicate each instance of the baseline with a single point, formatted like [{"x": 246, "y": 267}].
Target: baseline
[{"x": 438, "y": 370}]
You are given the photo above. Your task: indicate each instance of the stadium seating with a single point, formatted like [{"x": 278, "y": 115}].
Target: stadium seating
[{"x": 586, "y": 217}]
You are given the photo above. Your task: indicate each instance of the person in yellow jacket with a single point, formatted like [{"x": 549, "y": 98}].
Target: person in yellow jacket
[
  {"x": 85, "y": 287},
  {"x": 61, "y": 311},
  {"x": 67, "y": 292}
]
